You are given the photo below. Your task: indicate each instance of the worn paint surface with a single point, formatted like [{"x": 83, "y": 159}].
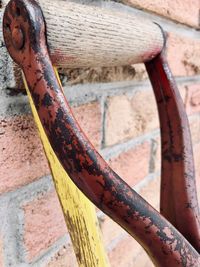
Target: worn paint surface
[
  {"x": 179, "y": 202},
  {"x": 79, "y": 212},
  {"x": 164, "y": 244}
]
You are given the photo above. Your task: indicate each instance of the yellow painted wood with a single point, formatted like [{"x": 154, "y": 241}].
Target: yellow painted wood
[{"x": 79, "y": 212}]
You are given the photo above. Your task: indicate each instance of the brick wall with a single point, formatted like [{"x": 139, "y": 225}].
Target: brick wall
[{"x": 116, "y": 109}]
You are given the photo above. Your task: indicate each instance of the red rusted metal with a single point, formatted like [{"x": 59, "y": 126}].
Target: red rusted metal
[
  {"x": 179, "y": 202},
  {"x": 161, "y": 240}
]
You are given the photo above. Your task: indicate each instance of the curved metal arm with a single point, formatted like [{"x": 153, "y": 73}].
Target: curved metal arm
[
  {"x": 178, "y": 201},
  {"x": 164, "y": 244}
]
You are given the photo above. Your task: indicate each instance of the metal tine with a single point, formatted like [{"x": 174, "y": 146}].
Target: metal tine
[{"x": 178, "y": 198}]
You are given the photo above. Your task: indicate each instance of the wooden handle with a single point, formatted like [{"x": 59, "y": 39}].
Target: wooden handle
[{"x": 85, "y": 36}]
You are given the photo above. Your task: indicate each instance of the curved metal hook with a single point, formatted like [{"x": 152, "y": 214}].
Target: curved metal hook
[
  {"x": 164, "y": 244},
  {"x": 179, "y": 202}
]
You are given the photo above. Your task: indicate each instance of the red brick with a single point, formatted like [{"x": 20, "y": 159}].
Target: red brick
[
  {"x": 132, "y": 165},
  {"x": 64, "y": 258},
  {"x": 193, "y": 98},
  {"x": 151, "y": 192},
  {"x": 110, "y": 230},
  {"x": 89, "y": 118},
  {"x": 124, "y": 253},
  {"x": 186, "y": 12},
  {"x": 183, "y": 55},
  {"x": 143, "y": 260},
  {"x": 22, "y": 159},
  {"x": 129, "y": 253},
  {"x": 129, "y": 117},
  {"x": 43, "y": 224}
]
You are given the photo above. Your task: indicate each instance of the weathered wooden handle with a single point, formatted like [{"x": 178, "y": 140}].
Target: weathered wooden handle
[{"x": 85, "y": 36}]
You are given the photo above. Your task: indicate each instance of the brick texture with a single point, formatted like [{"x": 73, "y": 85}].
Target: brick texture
[
  {"x": 183, "y": 55},
  {"x": 22, "y": 159},
  {"x": 186, "y": 12},
  {"x": 130, "y": 254},
  {"x": 193, "y": 99},
  {"x": 129, "y": 117},
  {"x": 43, "y": 224},
  {"x": 65, "y": 257},
  {"x": 132, "y": 165},
  {"x": 124, "y": 253},
  {"x": 142, "y": 260},
  {"x": 89, "y": 118}
]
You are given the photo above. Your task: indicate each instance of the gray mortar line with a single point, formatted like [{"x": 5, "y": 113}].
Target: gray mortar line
[
  {"x": 144, "y": 183},
  {"x": 113, "y": 151},
  {"x": 14, "y": 105},
  {"x": 13, "y": 249},
  {"x": 13, "y": 228},
  {"x": 46, "y": 257},
  {"x": 153, "y": 152},
  {"x": 113, "y": 244},
  {"x": 30, "y": 191},
  {"x": 85, "y": 93},
  {"x": 7, "y": 231},
  {"x": 81, "y": 94},
  {"x": 103, "y": 117},
  {"x": 193, "y": 116}
]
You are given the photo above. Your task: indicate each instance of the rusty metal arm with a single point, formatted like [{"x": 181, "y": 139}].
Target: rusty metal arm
[
  {"x": 24, "y": 33},
  {"x": 178, "y": 201}
]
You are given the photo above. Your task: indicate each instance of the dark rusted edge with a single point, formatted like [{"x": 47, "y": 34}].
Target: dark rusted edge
[
  {"x": 165, "y": 245},
  {"x": 179, "y": 202}
]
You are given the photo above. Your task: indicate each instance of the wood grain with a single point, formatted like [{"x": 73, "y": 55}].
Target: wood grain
[
  {"x": 82, "y": 36},
  {"x": 85, "y": 36}
]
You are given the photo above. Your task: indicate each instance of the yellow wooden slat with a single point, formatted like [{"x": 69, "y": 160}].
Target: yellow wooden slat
[{"x": 79, "y": 212}]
